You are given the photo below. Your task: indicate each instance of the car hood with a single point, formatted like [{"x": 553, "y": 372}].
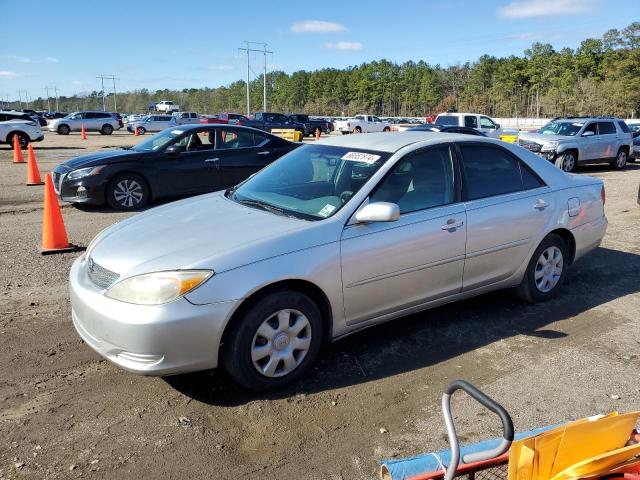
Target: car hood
[
  {"x": 111, "y": 156},
  {"x": 204, "y": 232},
  {"x": 540, "y": 138}
]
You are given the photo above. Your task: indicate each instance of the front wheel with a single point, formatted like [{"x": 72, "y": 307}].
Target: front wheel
[
  {"x": 546, "y": 271},
  {"x": 275, "y": 342},
  {"x": 141, "y": 130},
  {"x": 23, "y": 139},
  {"x": 63, "y": 130},
  {"x": 567, "y": 162},
  {"x": 106, "y": 129},
  {"x": 127, "y": 192},
  {"x": 621, "y": 160},
  {"x": 386, "y": 129}
]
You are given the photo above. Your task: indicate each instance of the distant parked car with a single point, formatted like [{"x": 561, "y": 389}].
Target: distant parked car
[
  {"x": 182, "y": 160},
  {"x": 362, "y": 124},
  {"x": 482, "y": 123},
  {"x": 26, "y": 130},
  {"x": 167, "y": 106},
  {"x": 311, "y": 126},
  {"x": 431, "y": 127},
  {"x": 184, "y": 118},
  {"x": 572, "y": 141},
  {"x": 224, "y": 118},
  {"x": 103, "y": 122},
  {"x": 37, "y": 116},
  {"x": 634, "y": 126},
  {"x": 7, "y": 115},
  {"x": 268, "y": 121},
  {"x": 150, "y": 123}
]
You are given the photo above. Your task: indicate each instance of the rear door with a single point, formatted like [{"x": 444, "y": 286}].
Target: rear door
[
  {"x": 242, "y": 153},
  {"x": 607, "y": 139},
  {"x": 507, "y": 208}
]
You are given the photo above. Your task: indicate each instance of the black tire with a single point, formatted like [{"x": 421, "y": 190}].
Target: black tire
[
  {"x": 64, "y": 130},
  {"x": 127, "y": 192},
  {"x": 345, "y": 133},
  {"x": 357, "y": 130},
  {"x": 106, "y": 129},
  {"x": 621, "y": 160},
  {"x": 23, "y": 139},
  {"x": 529, "y": 290},
  {"x": 567, "y": 161},
  {"x": 238, "y": 344},
  {"x": 141, "y": 131},
  {"x": 386, "y": 129}
]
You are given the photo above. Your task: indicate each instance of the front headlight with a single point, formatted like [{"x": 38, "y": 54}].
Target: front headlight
[
  {"x": 85, "y": 172},
  {"x": 550, "y": 146},
  {"x": 157, "y": 288}
]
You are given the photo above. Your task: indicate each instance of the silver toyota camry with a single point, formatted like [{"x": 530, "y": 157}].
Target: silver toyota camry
[{"x": 333, "y": 237}]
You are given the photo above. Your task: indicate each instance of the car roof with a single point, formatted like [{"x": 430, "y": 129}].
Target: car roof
[{"x": 392, "y": 142}]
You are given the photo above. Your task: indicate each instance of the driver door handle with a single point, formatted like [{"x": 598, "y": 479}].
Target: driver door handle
[
  {"x": 540, "y": 204},
  {"x": 452, "y": 224},
  {"x": 209, "y": 160},
  {"x": 264, "y": 153}
]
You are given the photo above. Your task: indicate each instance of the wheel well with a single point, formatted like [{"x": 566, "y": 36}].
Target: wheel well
[
  {"x": 625, "y": 148},
  {"x": 124, "y": 172},
  {"x": 569, "y": 240},
  {"x": 574, "y": 151},
  {"x": 17, "y": 132},
  {"x": 303, "y": 286}
]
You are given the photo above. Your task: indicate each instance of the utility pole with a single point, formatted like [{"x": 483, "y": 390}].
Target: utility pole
[
  {"x": 102, "y": 78},
  {"x": 264, "y": 78},
  {"x": 104, "y": 107},
  {"x": 55, "y": 90},
  {"x": 46, "y": 89}
]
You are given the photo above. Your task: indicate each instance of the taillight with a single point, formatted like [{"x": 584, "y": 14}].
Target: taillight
[{"x": 603, "y": 195}]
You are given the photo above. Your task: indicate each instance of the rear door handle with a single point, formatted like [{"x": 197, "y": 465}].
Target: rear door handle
[
  {"x": 264, "y": 153},
  {"x": 452, "y": 224},
  {"x": 209, "y": 160},
  {"x": 540, "y": 204}
]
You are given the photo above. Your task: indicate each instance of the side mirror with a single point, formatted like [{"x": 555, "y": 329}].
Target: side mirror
[
  {"x": 378, "y": 212},
  {"x": 172, "y": 150},
  {"x": 497, "y": 126},
  {"x": 588, "y": 134}
]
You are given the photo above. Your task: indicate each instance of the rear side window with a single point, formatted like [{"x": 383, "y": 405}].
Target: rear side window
[
  {"x": 529, "y": 179},
  {"x": 447, "y": 120},
  {"x": 606, "y": 128},
  {"x": 489, "y": 171},
  {"x": 471, "y": 121},
  {"x": 623, "y": 126}
]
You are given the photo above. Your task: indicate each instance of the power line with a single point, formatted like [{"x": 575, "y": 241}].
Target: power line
[
  {"x": 264, "y": 81},
  {"x": 102, "y": 78}
]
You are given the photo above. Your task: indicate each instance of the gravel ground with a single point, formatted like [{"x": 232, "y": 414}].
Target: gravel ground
[{"x": 66, "y": 413}]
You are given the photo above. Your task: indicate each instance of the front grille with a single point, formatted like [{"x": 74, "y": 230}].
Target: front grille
[
  {"x": 100, "y": 276},
  {"x": 531, "y": 146}
]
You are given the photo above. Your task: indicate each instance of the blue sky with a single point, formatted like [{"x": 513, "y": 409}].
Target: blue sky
[{"x": 161, "y": 44}]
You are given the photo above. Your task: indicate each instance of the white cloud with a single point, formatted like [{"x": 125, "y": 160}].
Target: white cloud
[
  {"x": 317, "y": 26},
  {"x": 7, "y": 74},
  {"x": 18, "y": 58},
  {"x": 52, "y": 60},
  {"x": 545, "y": 8},
  {"x": 344, "y": 45},
  {"x": 220, "y": 68}
]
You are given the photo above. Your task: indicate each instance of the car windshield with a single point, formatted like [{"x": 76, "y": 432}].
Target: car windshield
[
  {"x": 446, "y": 120},
  {"x": 158, "y": 141},
  {"x": 634, "y": 127},
  {"x": 561, "y": 128},
  {"x": 312, "y": 182}
]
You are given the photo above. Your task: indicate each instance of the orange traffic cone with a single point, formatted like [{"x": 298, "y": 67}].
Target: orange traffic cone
[
  {"x": 83, "y": 133},
  {"x": 135, "y": 132},
  {"x": 17, "y": 151},
  {"x": 54, "y": 235},
  {"x": 317, "y": 134},
  {"x": 33, "y": 174}
]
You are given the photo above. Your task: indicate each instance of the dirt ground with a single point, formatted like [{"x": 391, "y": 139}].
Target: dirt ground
[{"x": 66, "y": 413}]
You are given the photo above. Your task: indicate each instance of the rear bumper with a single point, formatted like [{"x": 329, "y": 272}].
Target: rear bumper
[{"x": 589, "y": 236}]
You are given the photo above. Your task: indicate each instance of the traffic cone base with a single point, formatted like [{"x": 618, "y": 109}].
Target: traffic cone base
[
  {"x": 33, "y": 174},
  {"x": 54, "y": 235}
]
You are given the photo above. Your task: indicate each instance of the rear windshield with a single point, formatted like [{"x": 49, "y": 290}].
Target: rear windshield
[{"x": 446, "y": 120}]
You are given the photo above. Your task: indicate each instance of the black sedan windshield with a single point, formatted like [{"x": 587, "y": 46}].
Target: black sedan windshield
[
  {"x": 313, "y": 182},
  {"x": 158, "y": 141}
]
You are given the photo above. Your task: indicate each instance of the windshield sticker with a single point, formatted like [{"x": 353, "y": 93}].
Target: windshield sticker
[
  {"x": 176, "y": 132},
  {"x": 326, "y": 210},
  {"x": 361, "y": 157}
]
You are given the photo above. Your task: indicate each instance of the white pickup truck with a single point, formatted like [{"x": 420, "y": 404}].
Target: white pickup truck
[
  {"x": 362, "y": 124},
  {"x": 482, "y": 123},
  {"x": 167, "y": 106}
]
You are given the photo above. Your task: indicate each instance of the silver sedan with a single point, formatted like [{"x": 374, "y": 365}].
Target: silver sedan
[{"x": 332, "y": 238}]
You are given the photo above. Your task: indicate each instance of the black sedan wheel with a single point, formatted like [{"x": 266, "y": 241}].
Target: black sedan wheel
[{"x": 127, "y": 191}]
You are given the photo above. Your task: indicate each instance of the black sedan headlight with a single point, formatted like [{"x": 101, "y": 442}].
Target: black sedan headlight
[{"x": 85, "y": 172}]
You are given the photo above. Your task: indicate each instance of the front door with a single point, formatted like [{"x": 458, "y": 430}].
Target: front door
[
  {"x": 387, "y": 267},
  {"x": 507, "y": 207}
]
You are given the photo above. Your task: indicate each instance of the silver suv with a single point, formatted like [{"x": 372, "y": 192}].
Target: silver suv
[
  {"x": 572, "y": 141},
  {"x": 103, "y": 122}
]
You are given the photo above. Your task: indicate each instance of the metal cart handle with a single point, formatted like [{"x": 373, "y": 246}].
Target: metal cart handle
[{"x": 485, "y": 401}]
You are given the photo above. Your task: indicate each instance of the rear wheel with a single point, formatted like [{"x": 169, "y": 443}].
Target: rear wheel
[
  {"x": 23, "y": 139},
  {"x": 621, "y": 160},
  {"x": 64, "y": 130},
  {"x": 546, "y": 271},
  {"x": 275, "y": 342},
  {"x": 141, "y": 130},
  {"x": 386, "y": 129},
  {"x": 127, "y": 191},
  {"x": 106, "y": 129},
  {"x": 567, "y": 161}
]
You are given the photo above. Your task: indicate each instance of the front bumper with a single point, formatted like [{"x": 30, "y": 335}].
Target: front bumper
[
  {"x": 39, "y": 139},
  {"x": 88, "y": 190},
  {"x": 176, "y": 337}
]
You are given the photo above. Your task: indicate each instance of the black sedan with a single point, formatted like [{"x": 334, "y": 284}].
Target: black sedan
[
  {"x": 431, "y": 127},
  {"x": 179, "y": 161}
]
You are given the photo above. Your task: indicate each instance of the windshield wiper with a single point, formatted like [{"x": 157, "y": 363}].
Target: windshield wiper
[{"x": 268, "y": 207}]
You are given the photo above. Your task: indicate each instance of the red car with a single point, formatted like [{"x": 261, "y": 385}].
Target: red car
[{"x": 225, "y": 118}]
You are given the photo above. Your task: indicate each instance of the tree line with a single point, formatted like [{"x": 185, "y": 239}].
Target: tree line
[{"x": 601, "y": 76}]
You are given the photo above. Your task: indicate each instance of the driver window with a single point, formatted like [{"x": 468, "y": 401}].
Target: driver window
[
  {"x": 422, "y": 181},
  {"x": 486, "y": 123},
  {"x": 231, "y": 139},
  {"x": 590, "y": 128}
]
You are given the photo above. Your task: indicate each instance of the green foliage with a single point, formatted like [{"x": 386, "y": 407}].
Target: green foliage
[{"x": 602, "y": 76}]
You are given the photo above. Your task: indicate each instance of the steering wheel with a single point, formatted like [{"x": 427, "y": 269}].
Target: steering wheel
[{"x": 346, "y": 196}]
